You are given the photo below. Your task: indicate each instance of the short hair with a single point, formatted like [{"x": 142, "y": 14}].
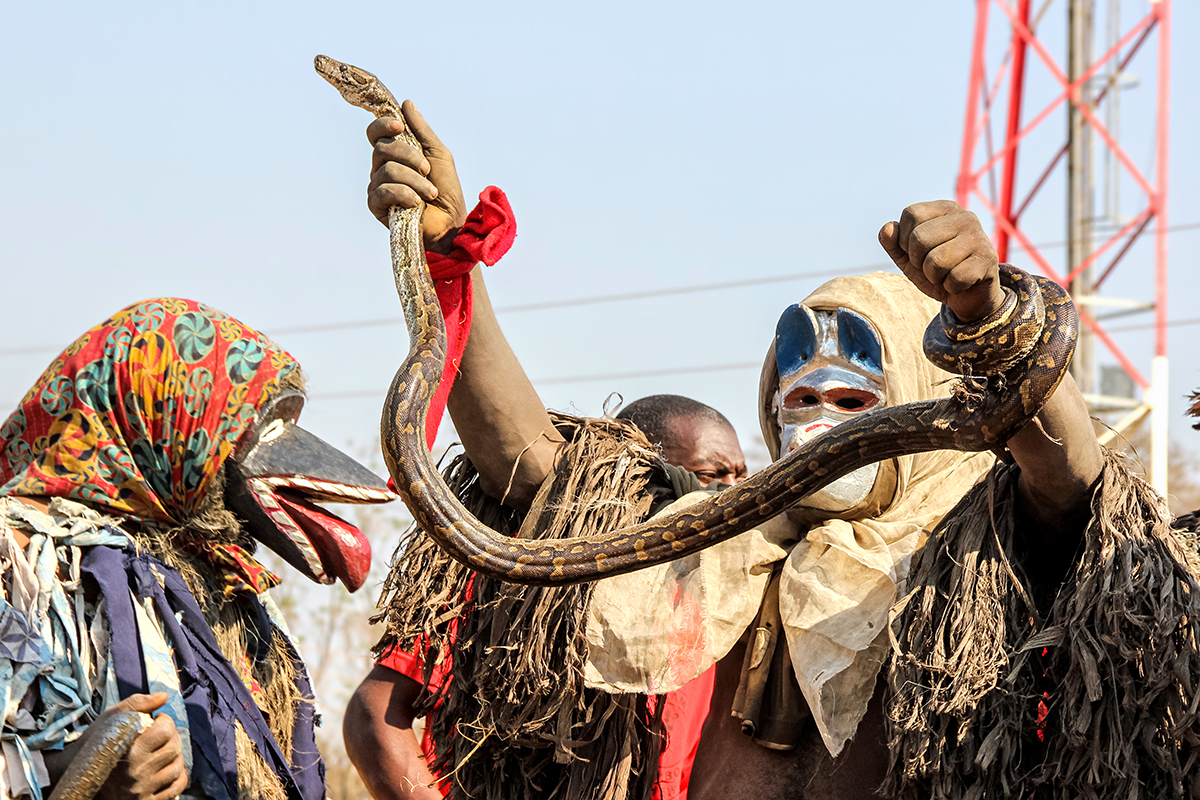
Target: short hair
[{"x": 655, "y": 415}]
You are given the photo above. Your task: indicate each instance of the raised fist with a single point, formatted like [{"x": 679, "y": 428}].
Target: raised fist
[{"x": 943, "y": 250}]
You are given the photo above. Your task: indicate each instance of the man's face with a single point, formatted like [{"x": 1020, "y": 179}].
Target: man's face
[{"x": 708, "y": 449}]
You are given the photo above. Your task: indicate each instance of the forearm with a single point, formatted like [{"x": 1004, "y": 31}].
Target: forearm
[
  {"x": 499, "y": 417},
  {"x": 1059, "y": 461},
  {"x": 944, "y": 251},
  {"x": 498, "y": 414},
  {"x": 381, "y": 743}
]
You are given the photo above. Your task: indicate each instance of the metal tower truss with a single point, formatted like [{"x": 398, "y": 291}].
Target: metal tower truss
[{"x": 1086, "y": 89}]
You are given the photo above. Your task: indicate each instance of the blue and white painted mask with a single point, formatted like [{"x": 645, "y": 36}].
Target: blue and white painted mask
[{"x": 830, "y": 370}]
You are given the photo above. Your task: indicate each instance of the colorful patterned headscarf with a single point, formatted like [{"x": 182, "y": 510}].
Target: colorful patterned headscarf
[{"x": 139, "y": 413}]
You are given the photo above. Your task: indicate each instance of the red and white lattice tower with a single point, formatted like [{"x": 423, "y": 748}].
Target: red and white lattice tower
[{"x": 1086, "y": 89}]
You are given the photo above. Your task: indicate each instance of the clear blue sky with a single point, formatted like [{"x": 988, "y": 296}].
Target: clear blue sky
[{"x": 189, "y": 149}]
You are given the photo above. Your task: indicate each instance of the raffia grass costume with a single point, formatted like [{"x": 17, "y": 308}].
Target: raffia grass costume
[
  {"x": 975, "y": 708},
  {"x": 512, "y": 718},
  {"x": 1007, "y": 685}
]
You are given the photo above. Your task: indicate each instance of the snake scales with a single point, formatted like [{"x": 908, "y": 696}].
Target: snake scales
[
  {"x": 1027, "y": 346},
  {"x": 108, "y": 741}
]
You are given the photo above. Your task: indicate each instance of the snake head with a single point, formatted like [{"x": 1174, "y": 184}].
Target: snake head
[{"x": 358, "y": 87}]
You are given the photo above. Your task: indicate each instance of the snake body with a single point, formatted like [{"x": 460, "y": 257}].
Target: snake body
[
  {"x": 1027, "y": 345},
  {"x": 108, "y": 741}
]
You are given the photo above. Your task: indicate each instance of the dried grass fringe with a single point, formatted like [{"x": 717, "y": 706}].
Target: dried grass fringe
[
  {"x": 256, "y": 780},
  {"x": 514, "y": 720},
  {"x": 1117, "y": 653}
]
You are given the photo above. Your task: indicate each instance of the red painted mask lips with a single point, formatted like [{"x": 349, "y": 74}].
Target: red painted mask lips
[
  {"x": 809, "y": 431},
  {"x": 343, "y": 550}
]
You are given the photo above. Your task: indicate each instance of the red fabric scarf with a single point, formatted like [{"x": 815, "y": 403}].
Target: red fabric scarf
[{"x": 487, "y": 235}]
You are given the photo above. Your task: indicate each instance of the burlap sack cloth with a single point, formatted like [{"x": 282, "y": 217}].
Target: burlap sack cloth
[{"x": 654, "y": 630}]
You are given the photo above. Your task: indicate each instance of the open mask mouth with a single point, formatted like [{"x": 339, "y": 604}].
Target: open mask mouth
[
  {"x": 275, "y": 479},
  {"x": 846, "y": 492}
]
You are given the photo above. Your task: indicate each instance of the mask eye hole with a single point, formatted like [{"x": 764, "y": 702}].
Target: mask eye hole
[
  {"x": 801, "y": 398},
  {"x": 272, "y": 431},
  {"x": 795, "y": 339},
  {"x": 842, "y": 398},
  {"x": 848, "y": 399}
]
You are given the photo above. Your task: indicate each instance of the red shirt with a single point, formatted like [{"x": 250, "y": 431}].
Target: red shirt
[{"x": 683, "y": 717}]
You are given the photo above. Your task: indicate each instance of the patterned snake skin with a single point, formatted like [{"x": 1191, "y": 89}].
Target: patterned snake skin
[
  {"x": 1027, "y": 345},
  {"x": 109, "y": 739}
]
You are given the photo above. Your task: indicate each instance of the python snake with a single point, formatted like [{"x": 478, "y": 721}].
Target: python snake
[
  {"x": 108, "y": 741},
  {"x": 1026, "y": 347}
]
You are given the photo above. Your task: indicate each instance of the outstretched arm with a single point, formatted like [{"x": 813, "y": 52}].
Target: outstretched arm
[
  {"x": 502, "y": 423},
  {"x": 943, "y": 250}
]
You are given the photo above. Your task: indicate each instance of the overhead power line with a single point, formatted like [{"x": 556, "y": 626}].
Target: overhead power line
[
  {"x": 651, "y": 373},
  {"x": 1179, "y": 323},
  {"x": 600, "y": 298},
  {"x": 668, "y": 292},
  {"x": 592, "y": 300},
  {"x": 1187, "y": 226},
  {"x": 611, "y": 376},
  {"x": 523, "y": 307}
]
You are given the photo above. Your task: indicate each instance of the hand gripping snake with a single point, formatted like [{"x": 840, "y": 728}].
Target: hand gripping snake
[
  {"x": 108, "y": 741},
  {"x": 1025, "y": 347}
]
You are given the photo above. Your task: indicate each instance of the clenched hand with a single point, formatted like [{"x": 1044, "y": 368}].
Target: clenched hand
[
  {"x": 943, "y": 250},
  {"x": 402, "y": 175}
]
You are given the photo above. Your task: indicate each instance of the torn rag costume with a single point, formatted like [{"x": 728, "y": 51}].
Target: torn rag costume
[{"x": 139, "y": 577}]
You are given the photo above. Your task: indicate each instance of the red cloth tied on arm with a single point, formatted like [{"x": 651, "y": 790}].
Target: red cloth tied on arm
[{"x": 487, "y": 235}]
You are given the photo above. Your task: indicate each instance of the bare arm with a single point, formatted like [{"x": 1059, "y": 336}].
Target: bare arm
[
  {"x": 943, "y": 250},
  {"x": 1059, "y": 462},
  {"x": 379, "y": 737},
  {"x": 498, "y": 415}
]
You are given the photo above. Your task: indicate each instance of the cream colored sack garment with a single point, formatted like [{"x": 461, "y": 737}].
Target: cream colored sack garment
[
  {"x": 654, "y": 630},
  {"x": 838, "y": 585}
]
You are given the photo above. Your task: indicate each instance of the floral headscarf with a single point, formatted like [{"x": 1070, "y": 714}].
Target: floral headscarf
[{"x": 138, "y": 414}]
